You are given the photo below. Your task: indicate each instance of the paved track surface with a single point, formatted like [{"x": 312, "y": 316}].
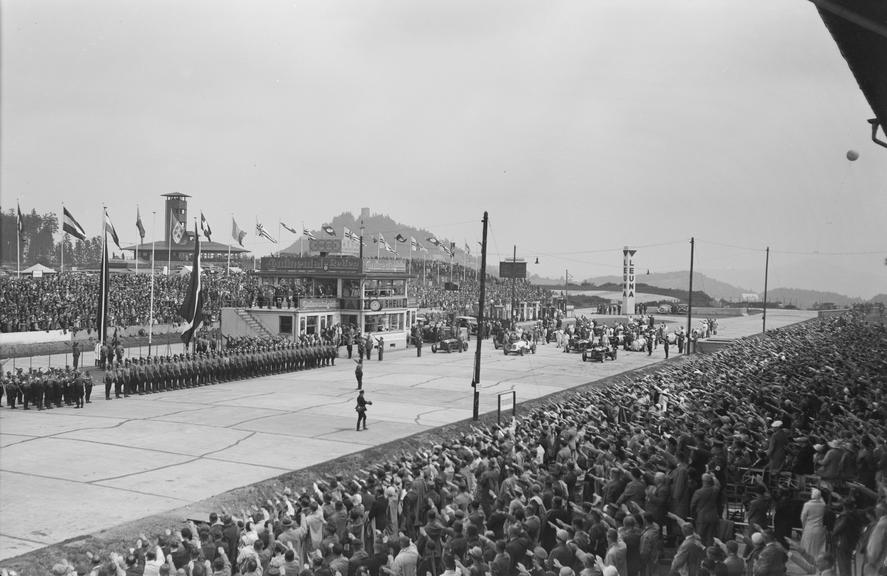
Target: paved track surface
[{"x": 68, "y": 472}]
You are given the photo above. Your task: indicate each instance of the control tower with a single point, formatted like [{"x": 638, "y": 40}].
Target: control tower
[{"x": 176, "y": 204}]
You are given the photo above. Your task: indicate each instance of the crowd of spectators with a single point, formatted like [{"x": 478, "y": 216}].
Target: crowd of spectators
[
  {"x": 619, "y": 481},
  {"x": 68, "y": 301},
  {"x": 464, "y": 300}
]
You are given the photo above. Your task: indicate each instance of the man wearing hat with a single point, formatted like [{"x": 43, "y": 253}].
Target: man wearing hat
[{"x": 776, "y": 448}]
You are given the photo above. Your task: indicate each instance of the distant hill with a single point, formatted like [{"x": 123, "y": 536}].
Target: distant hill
[
  {"x": 808, "y": 298},
  {"x": 389, "y": 228},
  {"x": 882, "y": 298},
  {"x": 679, "y": 281}
]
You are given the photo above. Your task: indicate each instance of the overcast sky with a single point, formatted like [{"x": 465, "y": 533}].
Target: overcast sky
[{"x": 581, "y": 126}]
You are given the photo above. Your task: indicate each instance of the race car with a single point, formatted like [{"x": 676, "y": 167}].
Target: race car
[
  {"x": 450, "y": 345},
  {"x": 577, "y": 344},
  {"x": 599, "y": 353},
  {"x": 519, "y": 346}
]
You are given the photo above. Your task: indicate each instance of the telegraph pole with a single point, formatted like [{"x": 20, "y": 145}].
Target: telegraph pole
[
  {"x": 480, "y": 319},
  {"x": 690, "y": 295},
  {"x": 766, "y": 274}
]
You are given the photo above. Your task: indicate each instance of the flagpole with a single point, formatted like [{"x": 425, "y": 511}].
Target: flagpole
[
  {"x": 302, "y": 241},
  {"x": 228, "y": 267},
  {"x": 19, "y": 226},
  {"x": 104, "y": 305},
  {"x": 151, "y": 307},
  {"x": 169, "y": 249},
  {"x": 139, "y": 244},
  {"x": 63, "y": 240},
  {"x": 278, "y": 237}
]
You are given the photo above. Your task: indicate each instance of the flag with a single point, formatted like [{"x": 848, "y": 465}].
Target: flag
[
  {"x": 329, "y": 230},
  {"x": 347, "y": 233},
  {"x": 236, "y": 232},
  {"x": 446, "y": 250},
  {"x": 109, "y": 229},
  {"x": 102, "y": 312},
  {"x": 434, "y": 241},
  {"x": 400, "y": 238},
  {"x": 260, "y": 231},
  {"x": 138, "y": 224},
  {"x": 413, "y": 244},
  {"x": 290, "y": 228},
  {"x": 71, "y": 226},
  {"x": 388, "y": 247},
  {"x": 308, "y": 233},
  {"x": 192, "y": 307},
  {"x": 204, "y": 225},
  {"x": 177, "y": 230},
  {"x": 20, "y": 220},
  {"x": 421, "y": 247},
  {"x": 467, "y": 249}
]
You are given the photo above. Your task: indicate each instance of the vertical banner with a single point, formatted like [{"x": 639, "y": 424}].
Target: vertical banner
[{"x": 628, "y": 279}]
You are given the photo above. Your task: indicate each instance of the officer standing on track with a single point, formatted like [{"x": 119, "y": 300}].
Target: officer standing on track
[
  {"x": 358, "y": 373},
  {"x": 361, "y": 410}
]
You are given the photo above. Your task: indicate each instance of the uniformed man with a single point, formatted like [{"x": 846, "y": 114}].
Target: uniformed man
[
  {"x": 76, "y": 389},
  {"x": 37, "y": 391},
  {"x": 87, "y": 384},
  {"x": 109, "y": 381},
  {"x": 12, "y": 389},
  {"x": 75, "y": 353}
]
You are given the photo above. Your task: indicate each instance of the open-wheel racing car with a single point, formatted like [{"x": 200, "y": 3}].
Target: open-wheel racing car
[
  {"x": 577, "y": 344},
  {"x": 449, "y": 345},
  {"x": 519, "y": 346},
  {"x": 599, "y": 353}
]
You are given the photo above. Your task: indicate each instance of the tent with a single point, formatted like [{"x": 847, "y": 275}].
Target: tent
[{"x": 38, "y": 270}]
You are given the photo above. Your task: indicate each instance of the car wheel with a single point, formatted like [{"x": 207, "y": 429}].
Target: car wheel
[
  {"x": 521, "y": 351},
  {"x": 505, "y": 352},
  {"x": 434, "y": 349},
  {"x": 584, "y": 356}
]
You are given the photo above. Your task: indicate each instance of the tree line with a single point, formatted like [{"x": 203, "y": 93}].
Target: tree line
[{"x": 38, "y": 244}]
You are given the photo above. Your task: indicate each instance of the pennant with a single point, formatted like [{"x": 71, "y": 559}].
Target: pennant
[
  {"x": 177, "y": 230},
  {"x": 433, "y": 241},
  {"x": 400, "y": 238},
  {"x": 236, "y": 232},
  {"x": 71, "y": 226},
  {"x": 260, "y": 231},
  {"x": 20, "y": 220},
  {"x": 204, "y": 226},
  {"x": 109, "y": 229},
  {"x": 329, "y": 230},
  {"x": 102, "y": 312},
  {"x": 139, "y": 224},
  {"x": 192, "y": 307},
  {"x": 308, "y": 233},
  {"x": 290, "y": 228}
]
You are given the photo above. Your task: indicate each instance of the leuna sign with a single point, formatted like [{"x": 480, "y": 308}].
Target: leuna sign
[{"x": 628, "y": 280}]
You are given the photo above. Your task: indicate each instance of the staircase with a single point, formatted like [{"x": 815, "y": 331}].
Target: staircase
[{"x": 254, "y": 325}]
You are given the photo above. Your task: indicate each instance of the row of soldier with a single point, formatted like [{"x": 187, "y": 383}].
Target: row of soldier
[
  {"x": 160, "y": 373},
  {"x": 42, "y": 388}
]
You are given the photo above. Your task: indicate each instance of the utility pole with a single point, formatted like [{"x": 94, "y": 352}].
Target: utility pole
[
  {"x": 566, "y": 280},
  {"x": 480, "y": 320},
  {"x": 513, "y": 279},
  {"x": 690, "y": 295},
  {"x": 766, "y": 274}
]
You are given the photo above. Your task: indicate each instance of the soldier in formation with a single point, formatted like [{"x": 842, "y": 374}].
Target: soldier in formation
[{"x": 44, "y": 389}]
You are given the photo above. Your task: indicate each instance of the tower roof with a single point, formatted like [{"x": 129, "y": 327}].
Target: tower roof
[{"x": 176, "y": 195}]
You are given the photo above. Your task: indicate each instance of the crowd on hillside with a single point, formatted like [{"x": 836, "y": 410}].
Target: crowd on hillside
[
  {"x": 463, "y": 300},
  {"x": 69, "y": 301},
  {"x": 618, "y": 481}
]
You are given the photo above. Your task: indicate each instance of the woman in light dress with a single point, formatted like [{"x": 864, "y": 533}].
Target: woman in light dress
[{"x": 813, "y": 537}]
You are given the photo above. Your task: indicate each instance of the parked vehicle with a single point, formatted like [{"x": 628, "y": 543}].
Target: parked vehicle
[
  {"x": 449, "y": 345},
  {"x": 599, "y": 353}
]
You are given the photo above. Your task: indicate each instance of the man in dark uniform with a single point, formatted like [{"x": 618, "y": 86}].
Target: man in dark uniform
[
  {"x": 25, "y": 387},
  {"x": 380, "y": 344},
  {"x": 361, "y": 345},
  {"x": 12, "y": 389},
  {"x": 418, "y": 342},
  {"x": 369, "y": 345},
  {"x": 37, "y": 390},
  {"x": 349, "y": 342},
  {"x": 358, "y": 373},
  {"x": 361, "y": 410},
  {"x": 75, "y": 353},
  {"x": 76, "y": 390}
]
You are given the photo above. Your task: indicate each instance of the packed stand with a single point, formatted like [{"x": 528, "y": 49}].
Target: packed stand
[
  {"x": 615, "y": 481},
  {"x": 498, "y": 292},
  {"x": 68, "y": 301}
]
